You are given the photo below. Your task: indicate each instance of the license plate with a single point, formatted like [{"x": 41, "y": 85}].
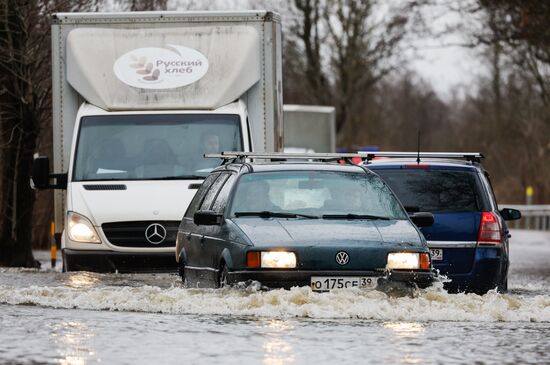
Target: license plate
[
  {"x": 436, "y": 253},
  {"x": 325, "y": 283}
]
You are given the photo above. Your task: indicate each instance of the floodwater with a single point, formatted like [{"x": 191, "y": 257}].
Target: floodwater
[{"x": 85, "y": 318}]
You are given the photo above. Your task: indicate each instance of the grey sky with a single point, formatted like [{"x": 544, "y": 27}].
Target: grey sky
[{"x": 450, "y": 69}]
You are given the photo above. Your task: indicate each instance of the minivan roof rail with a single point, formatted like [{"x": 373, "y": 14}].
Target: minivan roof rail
[
  {"x": 468, "y": 156},
  {"x": 279, "y": 156}
]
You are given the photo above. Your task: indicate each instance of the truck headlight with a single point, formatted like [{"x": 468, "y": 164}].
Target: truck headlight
[
  {"x": 80, "y": 229},
  {"x": 403, "y": 260},
  {"x": 271, "y": 259}
]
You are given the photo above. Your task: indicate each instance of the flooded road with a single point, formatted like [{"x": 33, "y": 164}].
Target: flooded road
[{"x": 86, "y": 318}]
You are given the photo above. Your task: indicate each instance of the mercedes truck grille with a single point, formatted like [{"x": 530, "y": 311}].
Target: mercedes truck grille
[{"x": 142, "y": 233}]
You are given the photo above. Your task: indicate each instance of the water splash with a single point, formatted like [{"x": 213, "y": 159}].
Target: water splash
[{"x": 432, "y": 304}]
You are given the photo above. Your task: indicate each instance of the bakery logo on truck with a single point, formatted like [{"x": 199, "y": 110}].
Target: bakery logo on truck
[{"x": 161, "y": 68}]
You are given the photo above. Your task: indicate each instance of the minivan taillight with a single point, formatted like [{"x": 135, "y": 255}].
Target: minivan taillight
[{"x": 489, "y": 229}]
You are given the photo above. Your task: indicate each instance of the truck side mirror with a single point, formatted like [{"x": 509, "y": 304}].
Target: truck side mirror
[
  {"x": 207, "y": 218},
  {"x": 509, "y": 214},
  {"x": 422, "y": 219},
  {"x": 40, "y": 175}
]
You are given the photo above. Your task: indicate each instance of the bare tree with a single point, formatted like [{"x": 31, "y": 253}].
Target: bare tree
[
  {"x": 24, "y": 103},
  {"x": 347, "y": 47},
  {"x": 143, "y": 5},
  {"x": 25, "y": 106},
  {"x": 517, "y": 32}
]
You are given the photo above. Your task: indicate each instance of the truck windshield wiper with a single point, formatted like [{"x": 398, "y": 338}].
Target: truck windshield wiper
[
  {"x": 353, "y": 216},
  {"x": 268, "y": 214},
  {"x": 182, "y": 177}
]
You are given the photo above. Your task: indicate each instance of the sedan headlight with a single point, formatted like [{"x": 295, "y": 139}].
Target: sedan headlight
[
  {"x": 278, "y": 259},
  {"x": 403, "y": 260},
  {"x": 271, "y": 259},
  {"x": 80, "y": 229}
]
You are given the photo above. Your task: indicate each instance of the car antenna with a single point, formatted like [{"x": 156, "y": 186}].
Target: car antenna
[{"x": 418, "y": 148}]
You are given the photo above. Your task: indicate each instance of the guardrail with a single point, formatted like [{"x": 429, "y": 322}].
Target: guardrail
[{"x": 535, "y": 217}]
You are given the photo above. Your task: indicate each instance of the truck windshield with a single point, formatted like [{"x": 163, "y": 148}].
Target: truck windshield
[
  {"x": 155, "y": 146},
  {"x": 315, "y": 194}
]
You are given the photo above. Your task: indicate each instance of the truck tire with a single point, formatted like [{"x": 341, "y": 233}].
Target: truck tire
[{"x": 63, "y": 262}]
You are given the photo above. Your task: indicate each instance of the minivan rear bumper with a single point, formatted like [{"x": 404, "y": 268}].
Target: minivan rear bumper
[{"x": 486, "y": 274}]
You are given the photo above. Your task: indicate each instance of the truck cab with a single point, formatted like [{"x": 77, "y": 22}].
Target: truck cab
[{"x": 148, "y": 166}]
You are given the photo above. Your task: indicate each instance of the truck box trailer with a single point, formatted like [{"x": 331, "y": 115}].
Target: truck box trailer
[
  {"x": 138, "y": 98},
  {"x": 309, "y": 128}
]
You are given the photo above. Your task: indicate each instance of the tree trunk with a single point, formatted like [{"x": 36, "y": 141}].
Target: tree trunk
[{"x": 19, "y": 113}]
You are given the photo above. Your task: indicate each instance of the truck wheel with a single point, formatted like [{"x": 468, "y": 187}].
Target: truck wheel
[{"x": 63, "y": 262}]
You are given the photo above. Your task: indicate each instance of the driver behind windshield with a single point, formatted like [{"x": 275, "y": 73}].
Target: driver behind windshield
[
  {"x": 344, "y": 200},
  {"x": 254, "y": 196},
  {"x": 209, "y": 143}
]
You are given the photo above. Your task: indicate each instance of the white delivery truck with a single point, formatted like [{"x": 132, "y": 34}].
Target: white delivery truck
[
  {"x": 309, "y": 128},
  {"x": 138, "y": 98}
]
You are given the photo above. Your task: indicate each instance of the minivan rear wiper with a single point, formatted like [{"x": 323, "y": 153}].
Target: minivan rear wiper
[
  {"x": 268, "y": 214},
  {"x": 353, "y": 216}
]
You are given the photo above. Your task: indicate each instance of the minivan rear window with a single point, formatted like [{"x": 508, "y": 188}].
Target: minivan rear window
[{"x": 430, "y": 190}]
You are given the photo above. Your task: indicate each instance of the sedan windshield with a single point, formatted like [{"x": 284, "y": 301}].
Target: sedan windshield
[
  {"x": 314, "y": 194},
  {"x": 155, "y": 146}
]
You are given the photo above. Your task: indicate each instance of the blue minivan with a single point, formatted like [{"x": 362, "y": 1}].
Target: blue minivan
[{"x": 469, "y": 238}]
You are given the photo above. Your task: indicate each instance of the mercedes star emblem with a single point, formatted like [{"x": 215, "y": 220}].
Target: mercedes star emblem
[
  {"x": 342, "y": 258},
  {"x": 155, "y": 233}
]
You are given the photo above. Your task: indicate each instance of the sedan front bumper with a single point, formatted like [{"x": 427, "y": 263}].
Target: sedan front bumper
[{"x": 289, "y": 278}]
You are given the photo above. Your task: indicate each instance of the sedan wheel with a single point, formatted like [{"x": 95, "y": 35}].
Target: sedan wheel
[
  {"x": 222, "y": 277},
  {"x": 181, "y": 272}
]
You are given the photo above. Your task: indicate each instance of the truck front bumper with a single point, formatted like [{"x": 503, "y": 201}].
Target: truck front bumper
[{"x": 123, "y": 262}]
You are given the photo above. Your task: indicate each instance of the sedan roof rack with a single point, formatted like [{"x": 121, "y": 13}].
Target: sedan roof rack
[
  {"x": 468, "y": 156},
  {"x": 279, "y": 156}
]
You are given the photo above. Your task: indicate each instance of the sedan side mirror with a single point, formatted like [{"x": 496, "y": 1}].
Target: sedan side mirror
[
  {"x": 509, "y": 214},
  {"x": 422, "y": 219},
  {"x": 207, "y": 218}
]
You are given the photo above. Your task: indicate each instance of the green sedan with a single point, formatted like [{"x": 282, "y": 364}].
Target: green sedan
[{"x": 318, "y": 224}]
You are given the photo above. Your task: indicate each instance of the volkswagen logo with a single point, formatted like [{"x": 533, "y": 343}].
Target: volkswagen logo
[
  {"x": 342, "y": 258},
  {"x": 155, "y": 233}
]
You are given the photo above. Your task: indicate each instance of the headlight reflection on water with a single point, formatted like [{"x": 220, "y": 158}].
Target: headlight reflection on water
[
  {"x": 277, "y": 350},
  {"x": 406, "y": 331},
  {"x": 81, "y": 280},
  {"x": 72, "y": 340}
]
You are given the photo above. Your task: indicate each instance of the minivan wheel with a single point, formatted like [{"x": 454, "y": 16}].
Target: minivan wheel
[
  {"x": 503, "y": 287},
  {"x": 222, "y": 277}
]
